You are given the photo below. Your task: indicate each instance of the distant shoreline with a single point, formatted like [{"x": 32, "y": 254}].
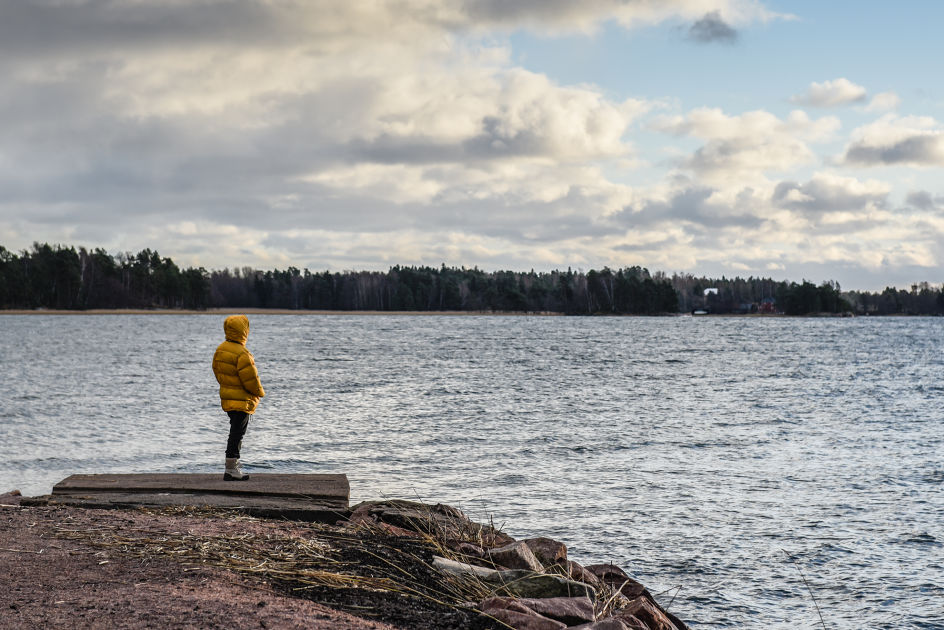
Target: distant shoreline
[
  {"x": 287, "y": 311},
  {"x": 263, "y": 311}
]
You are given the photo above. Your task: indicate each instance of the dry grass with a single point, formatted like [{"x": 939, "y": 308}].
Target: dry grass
[
  {"x": 308, "y": 559},
  {"x": 364, "y": 557}
]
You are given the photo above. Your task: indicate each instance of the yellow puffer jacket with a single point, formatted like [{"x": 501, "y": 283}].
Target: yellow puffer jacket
[{"x": 235, "y": 369}]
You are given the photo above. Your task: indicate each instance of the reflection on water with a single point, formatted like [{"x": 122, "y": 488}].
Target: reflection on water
[{"x": 699, "y": 453}]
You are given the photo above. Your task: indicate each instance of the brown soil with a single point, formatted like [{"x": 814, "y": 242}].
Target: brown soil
[{"x": 56, "y": 572}]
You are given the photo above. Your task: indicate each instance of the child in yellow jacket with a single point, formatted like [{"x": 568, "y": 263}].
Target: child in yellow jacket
[{"x": 240, "y": 388}]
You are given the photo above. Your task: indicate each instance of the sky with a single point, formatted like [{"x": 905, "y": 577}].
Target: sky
[{"x": 792, "y": 140}]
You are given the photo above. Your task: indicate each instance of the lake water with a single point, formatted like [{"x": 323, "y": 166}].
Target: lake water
[{"x": 700, "y": 454}]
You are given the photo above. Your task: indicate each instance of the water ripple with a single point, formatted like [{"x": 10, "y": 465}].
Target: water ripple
[{"x": 692, "y": 452}]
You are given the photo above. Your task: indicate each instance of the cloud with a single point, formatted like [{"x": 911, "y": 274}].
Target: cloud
[
  {"x": 839, "y": 227},
  {"x": 513, "y": 114},
  {"x": 563, "y": 15},
  {"x": 831, "y": 94},
  {"x": 923, "y": 200},
  {"x": 827, "y": 192},
  {"x": 369, "y": 133},
  {"x": 43, "y": 28},
  {"x": 195, "y": 121},
  {"x": 749, "y": 144},
  {"x": 893, "y": 140},
  {"x": 711, "y": 28},
  {"x": 693, "y": 205},
  {"x": 883, "y": 102}
]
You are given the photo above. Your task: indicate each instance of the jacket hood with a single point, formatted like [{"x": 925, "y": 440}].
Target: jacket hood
[{"x": 236, "y": 328}]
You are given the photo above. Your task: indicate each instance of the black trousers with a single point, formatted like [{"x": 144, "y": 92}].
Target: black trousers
[{"x": 238, "y": 421}]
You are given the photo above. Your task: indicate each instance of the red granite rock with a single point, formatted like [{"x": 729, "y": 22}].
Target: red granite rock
[
  {"x": 609, "y": 623},
  {"x": 516, "y": 614},
  {"x": 504, "y": 603},
  {"x": 570, "y": 610},
  {"x": 468, "y": 549},
  {"x": 579, "y": 573},
  {"x": 648, "y": 612},
  {"x": 522, "y": 621},
  {"x": 517, "y": 555},
  {"x": 548, "y": 551},
  {"x": 616, "y": 578}
]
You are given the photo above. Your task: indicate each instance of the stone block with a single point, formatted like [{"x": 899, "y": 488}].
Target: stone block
[
  {"x": 548, "y": 551},
  {"x": 517, "y": 555},
  {"x": 570, "y": 610},
  {"x": 607, "y": 624},
  {"x": 648, "y": 612},
  {"x": 522, "y": 621},
  {"x": 529, "y": 584},
  {"x": 617, "y": 579},
  {"x": 580, "y": 574}
]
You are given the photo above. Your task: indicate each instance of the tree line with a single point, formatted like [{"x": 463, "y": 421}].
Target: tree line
[
  {"x": 760, "y": 295},
  {"x": 60, "y": 277}
]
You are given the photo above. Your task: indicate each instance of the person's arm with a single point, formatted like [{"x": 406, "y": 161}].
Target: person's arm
[{"x": 248, "y": 375}]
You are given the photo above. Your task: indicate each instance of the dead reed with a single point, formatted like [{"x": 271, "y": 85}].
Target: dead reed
[{"x": 363, "y": 557}]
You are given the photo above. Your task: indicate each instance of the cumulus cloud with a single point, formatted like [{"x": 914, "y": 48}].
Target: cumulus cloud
[
  {"x": 277, "y": 118},
  {"x": 830, "y": 226},
  {"x": 368, "y": 133},
  {"x": 831, "y": 94},
  {"x": 712, "y": 28},
  {"x": 883, "y": 102},
  {"x": 228, "y": 109},
  {"x": 893, "y": 140},
  {"x": 695, "y": 206},
  {"x": 827, "y": 192},
  {"x": 749, "y": 144}
]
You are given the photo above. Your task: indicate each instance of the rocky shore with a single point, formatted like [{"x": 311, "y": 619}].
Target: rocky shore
[{"x": 389, "y": 564}]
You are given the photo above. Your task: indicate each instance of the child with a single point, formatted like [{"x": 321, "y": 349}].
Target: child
[{"x": 240, "y": 389}]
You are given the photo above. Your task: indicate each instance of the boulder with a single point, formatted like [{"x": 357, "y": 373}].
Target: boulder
[
  {"x": 570, "y": 610},
  {"x": 504, "y": 603},
  {"x": 517, "y": 555},
  {"x": 617, "y": 579},
  {"x": 522, "y": 621},
  {"x": 607, "y": 572},
  {"x": 609, "y": 623},
  {"x": 548, "y": 551},
  {"x": 13, "y": 497},
  {"x": 468, "y": 549},
  {"x": 580, "y": 574},
  {"x": 648, "y": 612},
  {"x": 453, "y": 567},
  {"x": 529, "y": 584}
]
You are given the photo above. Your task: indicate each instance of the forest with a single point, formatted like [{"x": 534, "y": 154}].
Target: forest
[{"x": 63, "y": 277}]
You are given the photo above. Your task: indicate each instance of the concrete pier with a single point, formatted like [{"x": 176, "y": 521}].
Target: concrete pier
[{"x": 302, "y": 497}]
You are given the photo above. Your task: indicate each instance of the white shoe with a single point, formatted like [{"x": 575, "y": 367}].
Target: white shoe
[{"x": 233, "y": 471}]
